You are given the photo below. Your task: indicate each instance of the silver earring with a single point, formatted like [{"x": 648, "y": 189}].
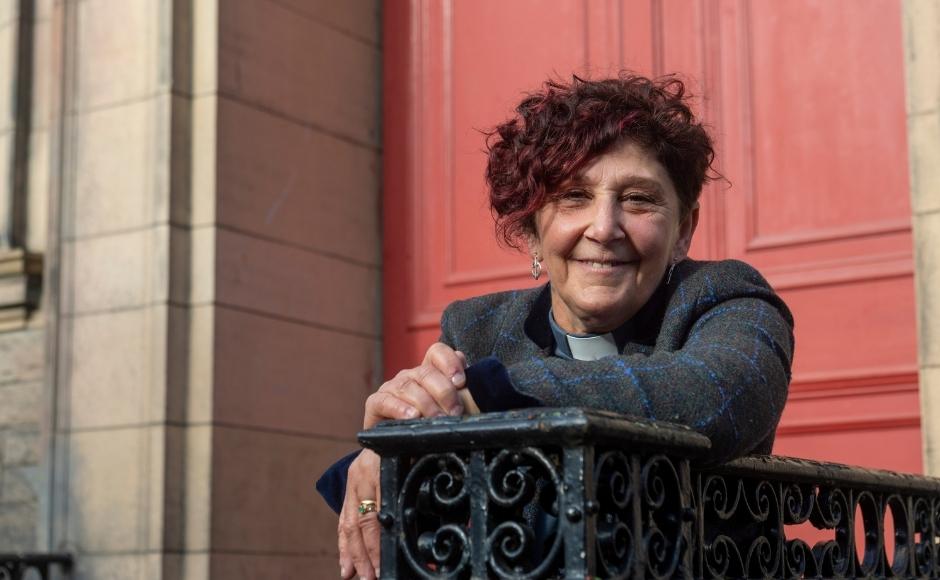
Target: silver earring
[
  {"x": 536, "y": 267},
  {"x": 669, "y": 275}
]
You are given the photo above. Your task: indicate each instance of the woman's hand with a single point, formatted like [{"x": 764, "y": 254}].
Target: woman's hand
[
  {"x": 429, "y": 390},
  {"x": 359, "y": 534}
]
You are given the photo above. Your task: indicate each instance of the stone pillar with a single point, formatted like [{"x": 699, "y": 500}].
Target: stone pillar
[
  {"x": 25, "y": 75},
  {"x": 217, "y": 281},
  {"x": 297, "y": 273},
  {"x": 121, "y": 296},
  {"x": 922, "y": 55}
]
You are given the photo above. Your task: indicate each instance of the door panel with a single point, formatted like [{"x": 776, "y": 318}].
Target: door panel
[{"x": 808, "y": 115}]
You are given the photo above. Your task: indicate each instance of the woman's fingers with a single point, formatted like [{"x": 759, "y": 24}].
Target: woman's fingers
[
  {"x": 369, "y": 523},
  {"x": 438, "y": 386},
  {"x": 346, "y": 569},
  {"x": 449, "y": 362},
  {"x": 359, "y": 534},
  {"x": 425, "y": 391},
  {"x": 384, "y": 405},
  {"x": 354, "y": 560}
]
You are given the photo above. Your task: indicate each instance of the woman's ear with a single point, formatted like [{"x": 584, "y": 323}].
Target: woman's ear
[
  {"x": 686, "y": 231},
  {"x": 533, "y": 245}
]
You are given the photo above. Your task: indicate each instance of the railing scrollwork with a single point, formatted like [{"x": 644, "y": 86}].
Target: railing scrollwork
[{"x": 571, "y": 493}]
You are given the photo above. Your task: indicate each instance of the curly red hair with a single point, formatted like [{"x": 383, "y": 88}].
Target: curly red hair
[{"x": 559, "y": 128}]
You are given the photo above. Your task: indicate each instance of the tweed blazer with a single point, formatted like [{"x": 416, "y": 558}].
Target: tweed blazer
[{"x": 711, "y": 350}]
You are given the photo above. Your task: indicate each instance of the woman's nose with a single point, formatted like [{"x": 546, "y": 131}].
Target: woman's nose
[{"x": 606, "y": 224}]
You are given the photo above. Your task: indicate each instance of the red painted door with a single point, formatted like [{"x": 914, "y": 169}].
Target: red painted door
[{"x": 806, "y": 101}]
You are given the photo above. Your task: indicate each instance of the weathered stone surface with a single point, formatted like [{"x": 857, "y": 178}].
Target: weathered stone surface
[
  {"x": 118, "y": 364},
  {"x": 290, "y": 282},
  {"x": 8, "y": 11},
  {"x": 271, "y": 374},
  {"x": 263, "y": 492},
  {"x": 120, "y": 271},
  {"x": 927, "y": 242},
  {"x": 20, "y": 447},
  {"x": 930, "y": 419},
  {"x": 21, "y": 356},
  {"x": 923, "y": 135},
  {"x": 20, "y": 403},
  {"x": 122, "y": 182},
  {"x": 297, "y": 184},
  {"x": 116, "y": 486},
  {"x": 138, "y": 566},
  {"x": 125, "y": 50},
  {"x": 276, "y": 566},
  {"x": 192, "y": 254},
  {"x": 6, "y": 165},
  {"x": 7, "y": 73},
  {"x": 922, "y": 44},
  {"x": 37, "y": 208},
  {"x": 18, "y": 526},
  {"x": 306, "y": 71},
  {"x": 360, "y": 18},
  {"x": 44, "y": 73},
  {"x": 19, "y": 484}
]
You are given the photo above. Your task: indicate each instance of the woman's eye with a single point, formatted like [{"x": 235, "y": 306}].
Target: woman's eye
[
  {"x": 574, "y": 195},
  {"x": 638, "y": 198}
]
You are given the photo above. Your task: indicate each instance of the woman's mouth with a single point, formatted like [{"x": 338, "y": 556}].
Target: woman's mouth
[{"x": 601, "y": 266}]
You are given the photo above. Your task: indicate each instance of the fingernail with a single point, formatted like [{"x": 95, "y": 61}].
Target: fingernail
[
  {"x": 342, "y": 572},
  {"x": 458, "y": 379},
  {"x": 411, "y": 413},
  {"x": 457, "y": 411}
]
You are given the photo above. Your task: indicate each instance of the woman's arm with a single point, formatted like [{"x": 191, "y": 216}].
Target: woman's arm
[
  {"x": 729, "y": 381},
  {"x": 727, "y": 377}
]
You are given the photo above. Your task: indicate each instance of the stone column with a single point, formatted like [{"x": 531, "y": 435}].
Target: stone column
[
  {"x": 25, "y": 75},
  {"x": 122, "y": 294},
  {"x": 922, "y": 54},
  {"x": 297, "y": 273},
  {"x": 217, "y": 283}
]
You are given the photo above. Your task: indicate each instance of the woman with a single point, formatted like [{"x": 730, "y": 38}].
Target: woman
[{"x": 599, "y": 181}]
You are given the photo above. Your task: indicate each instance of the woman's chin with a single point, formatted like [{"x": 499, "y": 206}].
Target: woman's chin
[{"x": 604, "y": 317}]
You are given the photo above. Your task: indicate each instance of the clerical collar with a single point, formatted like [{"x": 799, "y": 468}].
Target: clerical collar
[{"x": 582, "y": 346}]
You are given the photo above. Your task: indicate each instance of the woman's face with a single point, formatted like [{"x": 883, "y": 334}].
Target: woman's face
[{"x": 608, "y": 238}]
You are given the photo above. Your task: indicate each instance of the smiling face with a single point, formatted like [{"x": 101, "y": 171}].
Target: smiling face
[{"x": 608, "y": 237}]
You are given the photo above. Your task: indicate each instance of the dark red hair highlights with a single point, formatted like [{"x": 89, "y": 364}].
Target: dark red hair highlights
[{"x": 559, "y": 128}]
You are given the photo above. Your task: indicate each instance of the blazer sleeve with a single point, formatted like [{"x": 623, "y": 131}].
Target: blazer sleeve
[{"x": 728, "y": 379}]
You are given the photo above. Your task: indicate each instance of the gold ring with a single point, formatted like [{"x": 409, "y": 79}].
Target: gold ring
[{"x": 367, "y": 506}]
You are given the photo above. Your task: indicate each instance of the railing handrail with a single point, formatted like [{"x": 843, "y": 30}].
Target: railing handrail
[
  {"x": 828, "y": 473},
  {"x": 18, "y": 564},
  {"x": 566, "y": 425}
]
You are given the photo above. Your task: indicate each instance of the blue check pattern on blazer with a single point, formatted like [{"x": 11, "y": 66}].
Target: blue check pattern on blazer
[{"x": 712, "y": 350}]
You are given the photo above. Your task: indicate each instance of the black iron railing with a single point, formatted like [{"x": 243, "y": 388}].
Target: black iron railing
[
  {"x": 571, "y": 493},
  {"x": 20, "y": 566}
]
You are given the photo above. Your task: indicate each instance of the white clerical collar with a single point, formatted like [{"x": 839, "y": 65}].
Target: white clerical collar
[
  {"x": 592, "y": 347},
  {"x": 582, "y": 347}
]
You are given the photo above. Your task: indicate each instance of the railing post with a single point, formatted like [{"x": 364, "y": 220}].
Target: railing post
[
  {"x": 577, "y": 522},
  {"x": 478, "y": 513},
  {"x": 389, "y": 515}
]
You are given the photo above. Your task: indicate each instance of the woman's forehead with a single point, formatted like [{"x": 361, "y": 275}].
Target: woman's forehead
[{"x": 627, "y": 164}]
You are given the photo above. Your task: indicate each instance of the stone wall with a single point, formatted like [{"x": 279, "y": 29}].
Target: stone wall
[
  {"x": 922, "y": 52},
  {"x": 210, "y": 321}
]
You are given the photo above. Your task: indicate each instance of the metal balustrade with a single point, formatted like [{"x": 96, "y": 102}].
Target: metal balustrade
[
  {"x": 31, "y": 566},
  {"x": 572, "y": 493}
]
